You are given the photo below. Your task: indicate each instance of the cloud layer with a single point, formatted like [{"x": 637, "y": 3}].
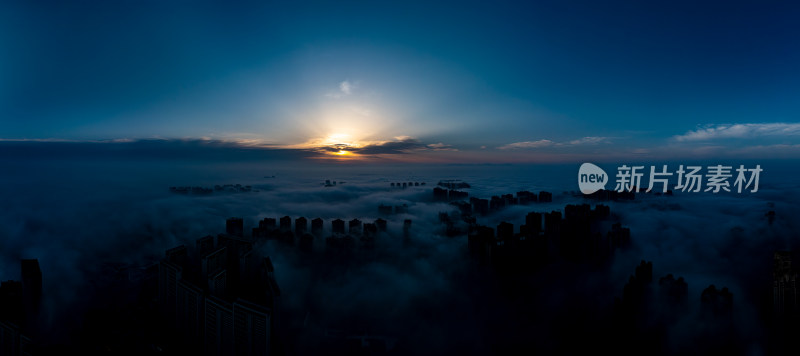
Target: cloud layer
[
  {"x": 741, "y": 131},
  {"x": 81, "y": 216},
  {"x": 589, "y": 140},
  {"x": 403, "y": 145}
]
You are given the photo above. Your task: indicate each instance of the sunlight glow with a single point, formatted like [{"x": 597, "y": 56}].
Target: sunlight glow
[{"x": 338, "y": 139}]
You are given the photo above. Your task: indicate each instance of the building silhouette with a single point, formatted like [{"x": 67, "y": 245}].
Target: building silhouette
[
  {"x": 300, "y": 226},
  {"x": 267, "y": 224},
  {"x": 525, "y": 197},
  {"x": 407, "y": 228},
  {"x": 234, "y": 226},
  {"x": 717, "y": 302},
  {"x": 354, "y": 227},
  {"x": 370, "y": 230},
  {"x": 222, "y": 302},
  {"x": 453, "y": 184},
  {"x": 401, "y": 209},
  {"x": 286, "y": 223},
  {"x": 204, "y": 245},
  {"x": 505, "y": 232},
  {"x": 674, "y": 291},
  {"x": 619, "y": 236},
  {"x": 31, "y": 288},
  {"x": 481, "y": 242},
  {"x": 385, "y": 209},
  {"x": 545, "y": 197},
  {"x": 20, "y": 303},
  {"x": 439, "y": 194},
  {"x": 784, "y": 284},
  {"x": 533, "y": 223},
  {"x": 381, "y": 224},
  {"x": 552, "y": 223},
  {"x": 316, "y": 227},
  {"x": 453, "y": 194},
  {"x": 496, "y": 203},
  {"x": 337, "y": 227},
  {"x": 479, "y": 206}
]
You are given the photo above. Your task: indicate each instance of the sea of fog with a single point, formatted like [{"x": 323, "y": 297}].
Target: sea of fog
[{"x": 80, "y": 216}]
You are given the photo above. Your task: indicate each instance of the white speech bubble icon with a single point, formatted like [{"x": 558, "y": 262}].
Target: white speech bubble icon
[{"x": 591, "y": 178}]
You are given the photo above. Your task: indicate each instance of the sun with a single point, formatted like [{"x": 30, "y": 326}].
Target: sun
[
  {"x": 339, "y": 145},
  {"x": 341, "y": 153}
]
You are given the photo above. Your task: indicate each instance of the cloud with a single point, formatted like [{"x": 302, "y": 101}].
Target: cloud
[
  {"x": 528, "y": 144},
  {"x": 118, "y": 211},
  {"x": 589, "y": 140},
  {"x": 213, "y": 150},
  {"x": 441, "y": 147},
  {"x": 346, "y": 87},
  {"x": 390, "y": 147},
  {"x": 740, "y": 131},
  {"x": 186, "y": 149},
  {"x": 401, "y": 145}
]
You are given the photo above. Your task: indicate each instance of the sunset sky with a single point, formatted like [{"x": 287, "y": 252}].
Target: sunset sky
[
  {"x": 454, "y": 81},
  {"x": 130, "y": 127}
]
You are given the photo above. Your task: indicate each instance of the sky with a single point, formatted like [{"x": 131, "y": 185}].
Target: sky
[{"x": 444, "y": 82}]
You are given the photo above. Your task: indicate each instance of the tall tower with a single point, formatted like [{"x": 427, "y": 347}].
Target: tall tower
[
  {"x": 784, "y": 284},
  {"x": 31, "y": 287},
  {"x": 234, "y": 226}
]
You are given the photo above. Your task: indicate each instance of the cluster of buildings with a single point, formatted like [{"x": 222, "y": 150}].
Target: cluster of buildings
[
  {"x": 234, "y": 188},
  {"x": 406, "y": 184},
  {"x": 480, "y": 206},
  {"x": 606, "y": 195},
  {"x": 231, "y": 188},
  {"x": 191, "y": 190},
  {"x": 615, "y": 195},
  {"x": 441, "y": 194},
  {"x": 717, "y": 302},
  {"x": 575, "y": 235},
  {"x": 453, "y": 184},
  {"x": 329, "y": 183},
  {"x": 341, "y": 233},
  {"x": 673, "y": 294},
  {"x": 389, "y": 210},
  {"x": 20, "y": 304},
  {"x": 646, "y": 311},
  {"x": 221, "y": 299}
]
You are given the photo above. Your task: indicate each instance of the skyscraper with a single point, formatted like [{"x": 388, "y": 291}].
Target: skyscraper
[
  {"x": 784, "y": 284},
  {"x": 234, "y": 226}
]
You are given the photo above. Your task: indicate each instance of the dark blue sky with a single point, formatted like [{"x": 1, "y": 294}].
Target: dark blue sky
[{"x": 493, "y": 82}]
